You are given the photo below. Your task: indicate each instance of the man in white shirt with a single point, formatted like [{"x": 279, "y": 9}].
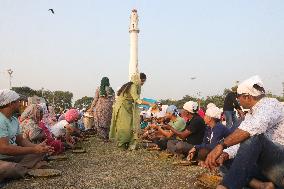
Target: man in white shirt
[{"x": 261, "y": 138}]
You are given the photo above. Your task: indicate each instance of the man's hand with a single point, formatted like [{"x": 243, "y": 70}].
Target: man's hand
[
  {"x": 153, "y": 126},
  {"x": 43, "y": 148},
  {"x": 241, "y": 114},
  {"x": 222, "y": 158},
  {"x": 210, "y": 161},
  {"x": 191, "y": 154},
  {"x": 168, "y": 127}
]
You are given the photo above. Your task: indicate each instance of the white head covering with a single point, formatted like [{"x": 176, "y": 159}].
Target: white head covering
[
  {"x": 164, "y": 108},
  {"x": 191, "y": 106},
  {"x": 246, "y": 87},
  {"x": 214, "y": 112},
  {"x": 7, "y": 96},
  {"x": 211, "y": 105},
  {"x": 161, "y": 114}
]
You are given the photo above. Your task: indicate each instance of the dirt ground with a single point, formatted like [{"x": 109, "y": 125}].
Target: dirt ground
[{"x": 105, "y": 166}]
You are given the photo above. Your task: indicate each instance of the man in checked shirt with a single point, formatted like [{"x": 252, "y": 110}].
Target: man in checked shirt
[{"x": 261, "y": 139}]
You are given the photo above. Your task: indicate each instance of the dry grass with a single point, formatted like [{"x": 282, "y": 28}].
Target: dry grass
[{"x": 105, "y": 166}]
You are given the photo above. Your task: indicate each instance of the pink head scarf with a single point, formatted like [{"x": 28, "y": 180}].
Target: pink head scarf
[{"x": 71, "y": 115}]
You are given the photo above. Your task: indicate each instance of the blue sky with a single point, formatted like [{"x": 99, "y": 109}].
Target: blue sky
[{"x": 219, "y": 42}]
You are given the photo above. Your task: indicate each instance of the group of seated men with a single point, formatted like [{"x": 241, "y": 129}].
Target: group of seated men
[{"x": 250, "y": 155}]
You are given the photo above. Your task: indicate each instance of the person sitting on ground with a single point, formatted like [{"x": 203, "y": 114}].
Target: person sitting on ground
[
  {"x": 226, "y": 159},
  {"x": 17, "y": 154},
  {"x": 64, "y": 128},
  {"x": 261, "y": 139},
  {"x": 57, "y": 145},
  {"x": 192, "y": 134},
  {"x": 34, "y": 128},
  {"x": 149, "y": 133},
  {"x": 174, "y": 121},
  {"x": 29, "y": 123},
  {"x": 215, "y": 131},
  {"x": 49, "y": 117}
]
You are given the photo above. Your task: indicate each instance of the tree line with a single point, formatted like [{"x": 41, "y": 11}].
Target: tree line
[{"x": 62, "y": 100}]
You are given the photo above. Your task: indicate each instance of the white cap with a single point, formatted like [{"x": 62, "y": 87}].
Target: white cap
[
  {"x": 191, "y": 106},
  {"x": 214, "y": 112},
  {"x": 161, "y": 114},
  {"x": 211, "y": 105},
  {"x": 7, "y": 96},
  {"x": 246, "y": 87}
]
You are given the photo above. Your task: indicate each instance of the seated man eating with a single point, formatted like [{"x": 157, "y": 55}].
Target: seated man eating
[
  {"x": 191, "y": 135},
  {"x": 17, "y": 155},
  {"x": 172, "y": 120},
  {"x": 215, "y": 132},
  {"x": 261, "y": 139}
]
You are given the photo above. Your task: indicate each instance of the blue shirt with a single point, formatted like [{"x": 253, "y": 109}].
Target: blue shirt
[
  {"x": 9, "y": 128},
  {"x": 213, "y": 135}
]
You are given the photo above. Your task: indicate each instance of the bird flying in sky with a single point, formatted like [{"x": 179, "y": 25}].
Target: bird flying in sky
[{"x": 51, "y": 10}]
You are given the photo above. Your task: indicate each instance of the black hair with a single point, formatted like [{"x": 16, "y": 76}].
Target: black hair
[
  {"x": 125, "y": 88},
  {"x": 143, "y": 76},
  {"x": 166, "y": 121},
  {"x": 5, "y": 106},
  {"x": 259, "y": 88},
  {"x": 2, "y": 107},
  {"x": 216, "y": 120}
]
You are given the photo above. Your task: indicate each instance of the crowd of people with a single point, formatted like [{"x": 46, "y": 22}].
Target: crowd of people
[
  {"x": 29, "y": 138},
  {"x": 247, "y": 148}
]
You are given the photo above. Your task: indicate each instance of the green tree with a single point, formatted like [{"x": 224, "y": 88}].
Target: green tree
[
  {"x": 218, "y": 100},
  {"x": 62, "y": 100},
  {"x": 185, "y": 99},
  {"x": 26, "y": 91},
  {"x": 83, "y": 102}
]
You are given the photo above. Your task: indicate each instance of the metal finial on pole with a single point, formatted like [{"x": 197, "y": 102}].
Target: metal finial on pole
[{"x": 10, "y": 72}]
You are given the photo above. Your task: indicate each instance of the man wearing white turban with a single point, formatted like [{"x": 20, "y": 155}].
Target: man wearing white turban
[
  {"x": 215, "y": 132},
  {"x": 192, "y": 134},
  {"x": 261, "y": 138},
  {"x": 17, "y": 155}
]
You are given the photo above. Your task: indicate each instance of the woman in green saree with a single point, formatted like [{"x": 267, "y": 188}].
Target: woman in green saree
[{"x": 125, "y": 116}]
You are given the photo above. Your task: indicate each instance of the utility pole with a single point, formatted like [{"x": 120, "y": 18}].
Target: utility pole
[
  {"x": 10, "y": 72},
  {"x": 53, "y": 98},
  {"x": 199, "y": 99},
  {"x": 42, "y": 91},
  {"x": 283, "y": 89}
]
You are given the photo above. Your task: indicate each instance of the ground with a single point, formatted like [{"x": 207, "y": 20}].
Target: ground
[{"x": 105, "y": 166}]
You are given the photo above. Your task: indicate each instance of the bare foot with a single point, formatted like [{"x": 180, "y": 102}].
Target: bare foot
[
  {"x": 41, "y": 165},
  {"x": 221, "y": 187},
  {"x": 267, "y": 185},
  {"x": 257, "y": 184},
  {"x": 202, "y": 164}
]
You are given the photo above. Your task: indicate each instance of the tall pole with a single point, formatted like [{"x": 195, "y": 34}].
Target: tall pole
[
  {"x": 42, "y": 91},
  {"x": 53, "y": 98},
  {"x": 199, "y": 99},
  {"x": 283, "y": 89},
  {"x": 10, "y": 72},
  {"x": 133, "y": 31}
]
